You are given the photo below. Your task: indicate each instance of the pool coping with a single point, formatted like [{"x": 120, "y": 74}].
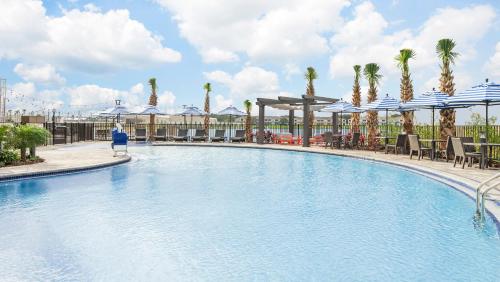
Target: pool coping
[
  {"x": 61, "y": 171},
  {"x": 492, "y": 208}
]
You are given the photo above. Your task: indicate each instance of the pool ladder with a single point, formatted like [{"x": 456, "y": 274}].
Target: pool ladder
[{"x": 485, "y": 192}]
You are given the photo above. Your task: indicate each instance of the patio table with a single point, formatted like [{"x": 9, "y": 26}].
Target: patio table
[
  {"x": 386, "y": 139},
  {"x": 483, "y": 149},
  {"x": 433, "y": 146}
]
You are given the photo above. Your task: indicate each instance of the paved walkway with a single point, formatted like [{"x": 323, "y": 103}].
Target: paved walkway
[{"x": 64, "y": 158}]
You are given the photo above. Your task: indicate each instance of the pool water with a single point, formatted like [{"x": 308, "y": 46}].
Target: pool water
[{"x": 226, "y": 214}]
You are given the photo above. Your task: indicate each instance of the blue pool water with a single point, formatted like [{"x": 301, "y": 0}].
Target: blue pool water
[{"x": 221, "y": 214}]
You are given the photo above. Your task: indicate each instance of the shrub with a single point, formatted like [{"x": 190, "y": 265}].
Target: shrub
[
  {"x": 27, "y": 136},
  {"x": 8, "y": 157}
]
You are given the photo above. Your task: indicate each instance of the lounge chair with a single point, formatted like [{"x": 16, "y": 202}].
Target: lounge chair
[
  {"x": 219, "y": 136},
  {"x": 239, "y": 136},
  {"x": 400, "y": 144},
  {"x": 461, "y": 155},
  {"x": 199, "y": 135},
  {"x": 161, "y": 134},
  {"x": 182, "y": 136},
  {"x": 328, "y": 137},
  {"x": 415, "y": 146},
  {"x": 140, "y": 134}
]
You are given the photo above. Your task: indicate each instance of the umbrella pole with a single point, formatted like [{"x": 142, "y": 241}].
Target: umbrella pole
[
  {"x": 486, "y": 137},
  {"x": 230, "y": 126},
  {"x": 433, "y": 123},
  {"x": 341, "y": 123},
  {"x": 386, "y": 126}
]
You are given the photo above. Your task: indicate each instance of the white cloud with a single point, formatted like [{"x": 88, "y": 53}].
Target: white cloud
[
  {"x": 166, "y": 101},
  {"x": 291, "y": 70},
  {"x": 25, "y": 96},
  {"x": 85, "y": 40},
  {"x": 364, "y": 39},
  {"x": 276, "y": 30},
  {"x": 493, "y": 64},
  {"x": 221, "y": 103},
  {"x": 45, "y": 74}
]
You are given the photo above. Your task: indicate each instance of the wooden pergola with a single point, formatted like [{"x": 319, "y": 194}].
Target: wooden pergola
[{"x": 291, "y": 104}]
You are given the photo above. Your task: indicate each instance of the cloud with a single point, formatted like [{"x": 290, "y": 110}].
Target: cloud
[
  {"x": 45, "y": 74},
  {"x": 166, "y": 101},
  {"x": 221, "y": 103},
  {"x": 493, "y": 64},
  {"x": 25, "y": 96},
  {"x": 274, "y": 30},
  {"x": 354, "y": 45},
  {"x": 85, "y": 40}
]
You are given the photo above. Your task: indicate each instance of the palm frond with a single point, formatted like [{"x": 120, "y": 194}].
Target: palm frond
[
  {"x": 357, "y": 71},
  {"x": 371, "y": 73},
  {"x": 310, "y": 74},
  {"x": 248, "y": 105},
  {"x": 207, "y": 87},
  {"x": 444, "y": 49}
]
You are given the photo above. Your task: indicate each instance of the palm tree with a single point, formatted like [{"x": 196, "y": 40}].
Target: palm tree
[
  {"x": 208, "y": 89},
  {"x": 406, "y": 86},
  {"x": 153, "y": 101},
  {"x": 373, "y": 77},
  {"x": 248, "y": 122},
  {"x": 310, "y": 76},
  {"x": 356, "y": 98},
  {"x": 444, "y": 50}
]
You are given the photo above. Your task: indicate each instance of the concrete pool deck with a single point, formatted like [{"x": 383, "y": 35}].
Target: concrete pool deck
[
  {"x": 66, "y": 159},
  {"x": 92, "y": 155}
]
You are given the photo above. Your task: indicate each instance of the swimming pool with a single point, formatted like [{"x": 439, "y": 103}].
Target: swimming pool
[{"x": 218, "y": 214}]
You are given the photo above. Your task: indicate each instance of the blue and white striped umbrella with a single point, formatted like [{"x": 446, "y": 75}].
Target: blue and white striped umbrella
[
  {"x": 231, "y": 111},
  {"x": 192, "y": 111},
  {"x": 486, "y": 94},
  {"x": 151, "y": 110},
  {"x": 385, "y": 104},
  {"x": 429, "y": 100},
  {"x": 342, "y": 106}
]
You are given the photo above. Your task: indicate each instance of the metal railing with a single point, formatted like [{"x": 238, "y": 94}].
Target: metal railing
[{"x": 483, "y": 192}]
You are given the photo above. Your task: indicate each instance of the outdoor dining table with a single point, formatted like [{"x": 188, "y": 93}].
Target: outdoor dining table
[
  {"x": 483, "y": 149},
  {"x": 433, "y": 146}
]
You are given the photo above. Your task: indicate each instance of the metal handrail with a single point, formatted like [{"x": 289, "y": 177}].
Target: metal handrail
[{"x": 492, "y": 183}]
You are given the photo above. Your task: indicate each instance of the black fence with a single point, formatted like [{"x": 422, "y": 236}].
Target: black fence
[{"x": 66, "y": 133}]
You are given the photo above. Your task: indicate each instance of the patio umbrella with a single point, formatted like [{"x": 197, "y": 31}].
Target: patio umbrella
[
  {"x": 486, "y": 94},
  {"x": 385, "y": 104},
  {"x": 341, "y": 107},
  {"x": 429, "y": 100},
  {"x": 192, "y": 111},
  {"x": 117, "y": 110},
  {"x": 231, "y": 111},
  {"x": 151, "y": 111}
]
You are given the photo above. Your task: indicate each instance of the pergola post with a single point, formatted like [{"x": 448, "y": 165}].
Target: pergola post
[
  {"x": 260, "y": 133},
  {"x": 307, "y": 131},
  {"x": 291, "y": 118},
  {"x": 335, "y": 123}
]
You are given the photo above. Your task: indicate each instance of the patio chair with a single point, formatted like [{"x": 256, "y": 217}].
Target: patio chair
[
  {"x": 219, "y": 136},
  {"x": 140, "y": 134},
  {"x": 328, "y": 137},
  {"x": 447, "y": 151},
  {"x": 182, "y": 136},
  {"x": 400, "y": 144},
  {"x": 354, "y": 143},
  {"x": 415, "y": 146},
  {"x": 239, "y": 136},
  {"x": 461, "y": 155},
  {"x": 161, "y": 134},
  {"x": 200, "y": 135}
]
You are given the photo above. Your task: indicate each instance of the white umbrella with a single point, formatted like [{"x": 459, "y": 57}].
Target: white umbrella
[{"x": 231, "y": 111}]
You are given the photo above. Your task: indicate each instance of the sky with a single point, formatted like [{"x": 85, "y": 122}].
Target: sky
[{"x": 79, "y": 56}]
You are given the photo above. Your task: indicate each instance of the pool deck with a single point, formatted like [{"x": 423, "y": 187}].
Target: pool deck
[
  {"x": 92, "y": 155},
  {"x": 66, "y": 159}
]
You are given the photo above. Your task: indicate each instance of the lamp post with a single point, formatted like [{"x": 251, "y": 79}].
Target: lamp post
[
  {"x": 117, "y": 103},
  {"x": 53, "y": 126}
]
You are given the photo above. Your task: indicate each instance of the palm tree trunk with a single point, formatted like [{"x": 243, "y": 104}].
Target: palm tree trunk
[
  {"x": 151, "y": 127},
  {"x": 248, "y": 128}
]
